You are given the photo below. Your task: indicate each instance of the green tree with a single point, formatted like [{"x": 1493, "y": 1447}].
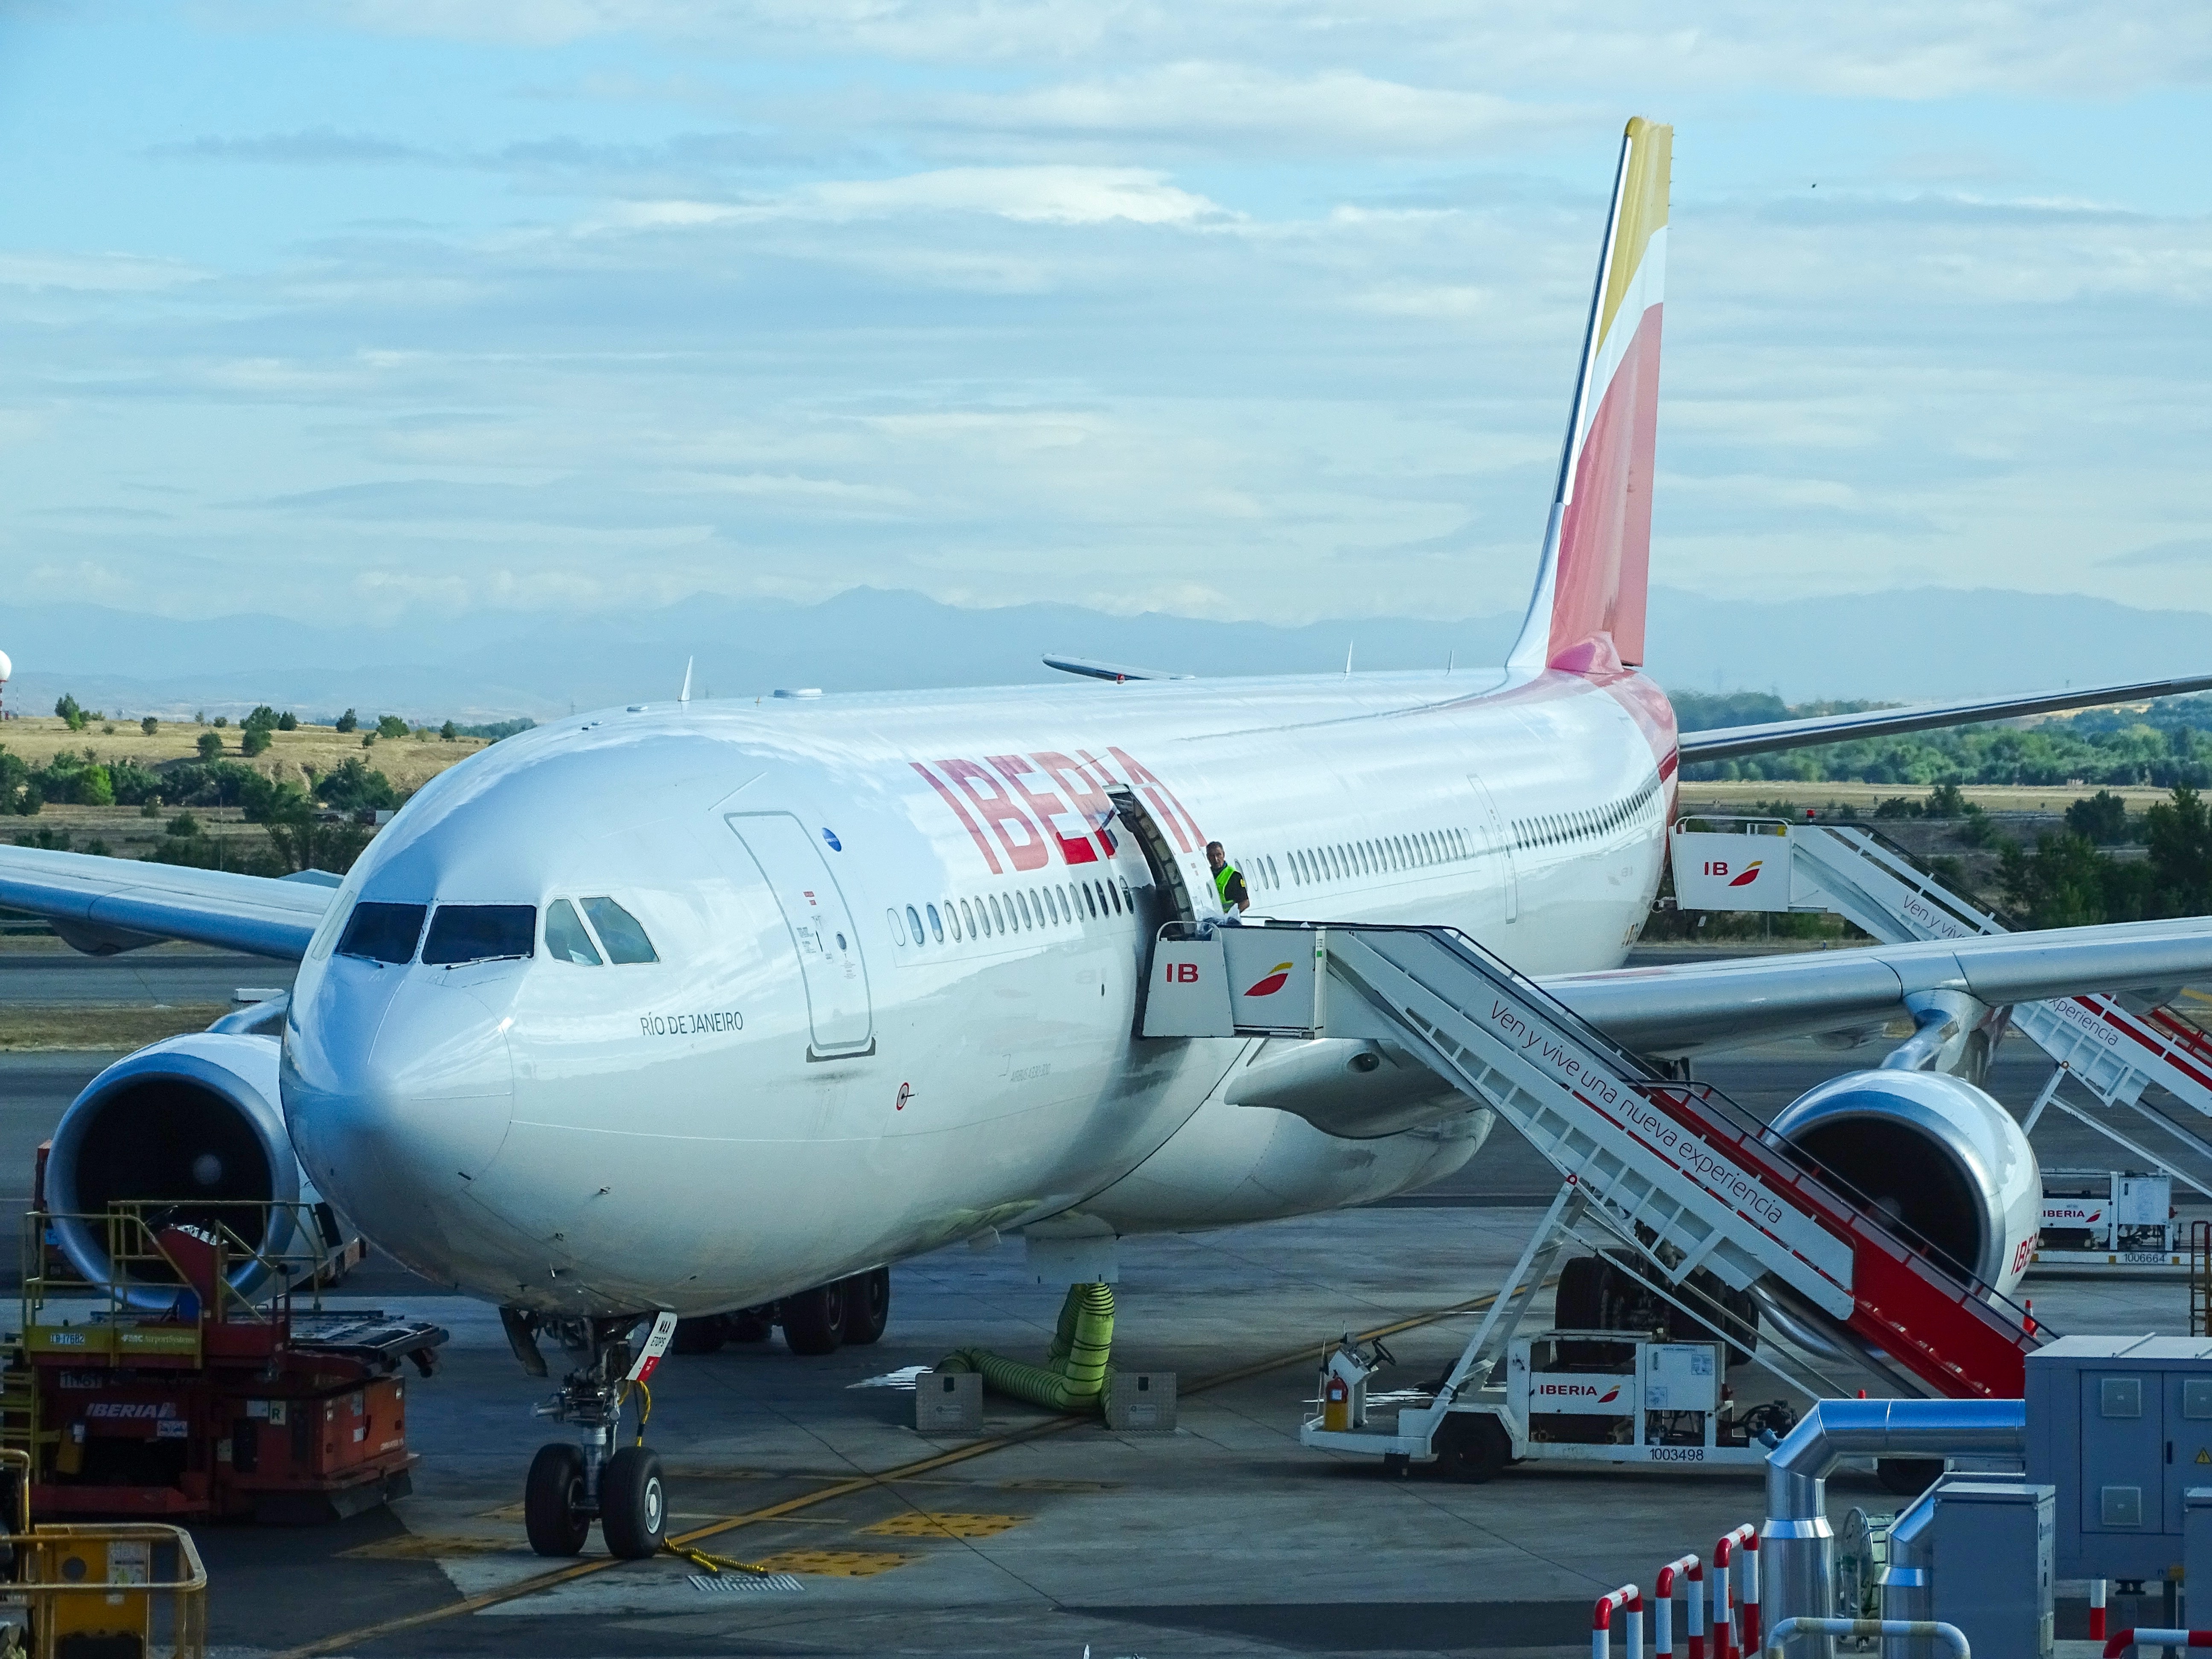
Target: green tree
[
  {"x": 391, "y": 726},
  {"x": 210, "y": 745},
  {"x": 72, "y": 716},
  {"x": 448, "y": 731},
  {"x": 221, "y": 720},
  {"x": 263, "y": 716},
  {"x": 254, "y": 740},
  {"x": 184, "y": 826},
  {"x": 1944, "y": 801},
  {"x": 287, "y": 721},
  {"x": 354, "y": 787},
  {"x": 349, "y": 721},
  {"x": 2178, "y": 833},
  {"x": 95, "y": 786},
  {"x": 2060, "y": 885},
  {"x": 150, "y": 726},
  {"x": 2102, "y": 816}
]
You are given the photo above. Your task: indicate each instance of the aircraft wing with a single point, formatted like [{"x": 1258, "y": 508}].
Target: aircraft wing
[
  {"x": 104, "y": 905},
  {"x": 1727, "y": 742},
  {"x": 1673, "y": 1009}
]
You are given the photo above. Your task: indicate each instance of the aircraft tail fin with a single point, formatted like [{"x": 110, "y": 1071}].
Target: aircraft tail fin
[{"x": 1587, "y": 612}]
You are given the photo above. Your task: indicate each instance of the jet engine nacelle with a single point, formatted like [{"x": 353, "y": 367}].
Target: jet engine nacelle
[
  {"x": 1934, "y": 1153},
  {"x": 192, "y": 1118}
]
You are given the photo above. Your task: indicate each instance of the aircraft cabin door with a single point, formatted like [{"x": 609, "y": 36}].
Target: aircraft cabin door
[
  {"x": 1501, "y": 842},
  {"x": 838, "y": 1009},
  {"x": 1159, "y": 857}
]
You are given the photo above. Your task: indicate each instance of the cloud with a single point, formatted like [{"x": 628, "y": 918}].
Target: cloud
[
  {"x": 96, "y": 273},
  {"x": 314, "y": 147},
  {"x": 2195, "y": 550},
  {"x": 1033, "y": 195}
]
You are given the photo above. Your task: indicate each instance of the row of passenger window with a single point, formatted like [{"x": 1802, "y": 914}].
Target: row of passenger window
[
  {"x": 1557, "y": 829},
  {"x": 1347, "y": 860},
  {"x": 1024, "y": 909},
  {"x": 381, "y": 931}
]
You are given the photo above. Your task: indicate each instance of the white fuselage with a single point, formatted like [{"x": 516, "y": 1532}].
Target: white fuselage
[{"x": 798, "y": 1088}]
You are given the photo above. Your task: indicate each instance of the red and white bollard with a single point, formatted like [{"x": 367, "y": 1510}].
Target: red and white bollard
[
  {"x": 2097, "y": 1588},
  {"x": 2129, "y": 1641},
  {"x": 1630, "y": 1600},
  {"x": 1685, "y": 1578},
  {"x": 1744, "y": 1543}
]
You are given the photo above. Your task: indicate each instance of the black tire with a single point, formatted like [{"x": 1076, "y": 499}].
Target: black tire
[
  {"x": 1908, "y": 1477},
  {"x": 1580, "y": 1302},
  {"x": 814, "y": 1320},
  {"x": 749, "y": 1325},
  {"x": 1743, "y": 1309},
  {"x": 867, "y": 1306},
  {"x": 633, "y": 1503},
  {"x": 696, "y": 1336},
  {"x": 553, "y": 1501},
  {"x": 1472, "y": 1446}
]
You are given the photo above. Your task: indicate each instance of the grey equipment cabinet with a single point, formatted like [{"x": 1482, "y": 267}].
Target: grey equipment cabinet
[
  {"x": 1974, "y": 1551},
  {"x": 2122, "y": 1426}
]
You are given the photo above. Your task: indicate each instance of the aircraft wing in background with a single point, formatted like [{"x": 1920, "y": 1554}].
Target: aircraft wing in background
[
  {"x": 1674, "y": 1009},
  {"x": 1727, "y": 742},
  {"x": 103, "y": 905}
]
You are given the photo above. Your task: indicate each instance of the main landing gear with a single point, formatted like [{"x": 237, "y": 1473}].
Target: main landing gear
[
  {"x": 570, "y": 1486},
  {"x": 844, "y": 1313}
]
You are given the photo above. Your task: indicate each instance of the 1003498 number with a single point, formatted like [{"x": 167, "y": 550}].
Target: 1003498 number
[{"x": 1678, "y": 1454}]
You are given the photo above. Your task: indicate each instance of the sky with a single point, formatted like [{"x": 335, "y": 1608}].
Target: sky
[{"x": 367, "y": 309}]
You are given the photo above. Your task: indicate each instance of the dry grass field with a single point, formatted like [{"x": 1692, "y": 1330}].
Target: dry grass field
[
  {"x": 2045, "y": 798},
  {"x": 409, "y": 762}
]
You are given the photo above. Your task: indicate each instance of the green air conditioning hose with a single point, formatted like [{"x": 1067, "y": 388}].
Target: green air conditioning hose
[{"x": 1073, "y": 1376}]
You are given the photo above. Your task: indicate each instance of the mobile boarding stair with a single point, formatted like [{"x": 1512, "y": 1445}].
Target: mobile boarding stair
[
  {"x": 1674, "y": 1172},
  {"x": 2095, "y": 1043}
]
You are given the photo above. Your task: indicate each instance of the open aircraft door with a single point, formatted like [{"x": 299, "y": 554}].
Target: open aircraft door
[
  {"x": 821, "y": 932},
  {"x": 1173, "y": 894}
]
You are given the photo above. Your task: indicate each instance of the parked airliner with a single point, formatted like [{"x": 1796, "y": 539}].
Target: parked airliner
[{"x": 693, "y": 1007}]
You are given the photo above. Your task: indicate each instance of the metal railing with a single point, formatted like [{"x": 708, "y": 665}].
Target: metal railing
[{"x": 77, "y": 1584}]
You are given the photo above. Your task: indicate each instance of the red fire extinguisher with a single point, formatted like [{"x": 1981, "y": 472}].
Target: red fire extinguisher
[{"x": 1336, "y": 1403}]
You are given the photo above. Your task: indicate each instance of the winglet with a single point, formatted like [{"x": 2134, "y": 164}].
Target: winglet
[{"x": 684, "y": 696}]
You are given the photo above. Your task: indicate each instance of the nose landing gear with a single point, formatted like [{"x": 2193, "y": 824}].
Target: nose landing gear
[{"x": 623, "y": 1489}]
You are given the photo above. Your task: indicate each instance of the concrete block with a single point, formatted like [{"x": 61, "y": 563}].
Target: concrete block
[
  {"x": 1141, "y": 1400},
  {"x": 948, "y": 1402}
]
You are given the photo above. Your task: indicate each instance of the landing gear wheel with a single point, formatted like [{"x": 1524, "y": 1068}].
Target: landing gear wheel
[
  {"x": 1472, "y": 1446},
  {"x": 814, "y": 1320},
  {"x": 553, "y": 1501},
  {"x": 1908, "y": 1477},
  {"x": 633, "y": 1503},
  {"x": 695, "y": 1336},
  {"x": 867, "y": 1306}
]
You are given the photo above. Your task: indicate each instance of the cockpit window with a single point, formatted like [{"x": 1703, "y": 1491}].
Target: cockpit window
[
  {"x": 383, "y": 933},
  {"x": 480, "y": 933},
  {"x": 618, "y": 931},
  {"x": 565, "y": 937}
]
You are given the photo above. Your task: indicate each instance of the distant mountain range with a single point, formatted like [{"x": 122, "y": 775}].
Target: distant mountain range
[{"x": 1924, "y": 643}]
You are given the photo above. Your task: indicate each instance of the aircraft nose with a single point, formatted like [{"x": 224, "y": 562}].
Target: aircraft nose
[{"x": 395, "y": 1109}]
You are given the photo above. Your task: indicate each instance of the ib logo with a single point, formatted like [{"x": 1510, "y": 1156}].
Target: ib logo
[
  {"x": 1272, "y": 982},
  {"x": 1744, "y": 878}
]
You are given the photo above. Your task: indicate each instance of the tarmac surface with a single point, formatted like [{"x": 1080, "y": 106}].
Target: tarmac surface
[{"x": 1046, "y": 1536}]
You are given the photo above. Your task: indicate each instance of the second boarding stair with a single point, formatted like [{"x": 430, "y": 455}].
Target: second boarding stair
[
  {"x": 1763, "y": 863},
  {"x": 1676, "y": 1170}
]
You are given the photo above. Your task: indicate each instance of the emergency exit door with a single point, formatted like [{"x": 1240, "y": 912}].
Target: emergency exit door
[
  {"x": 838, "y": 1011},
  {"x": 1501, "y": 842}
]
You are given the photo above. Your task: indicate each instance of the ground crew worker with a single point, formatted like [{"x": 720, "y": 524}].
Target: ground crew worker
[{"x": 1228, "y": 880}]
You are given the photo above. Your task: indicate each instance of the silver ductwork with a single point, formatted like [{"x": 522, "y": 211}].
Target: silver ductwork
[
  {"x": 1936, "y": 1157},
  {"x": 193, "y": 1121},
  {"x": 1796, "y": 1549}
]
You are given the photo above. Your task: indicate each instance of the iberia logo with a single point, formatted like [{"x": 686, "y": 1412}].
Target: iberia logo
[
  {"x": 1750, "y": 874},
  {"x": 1274, "y": 981},
  {"x": 1580, "y": 1391}
]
